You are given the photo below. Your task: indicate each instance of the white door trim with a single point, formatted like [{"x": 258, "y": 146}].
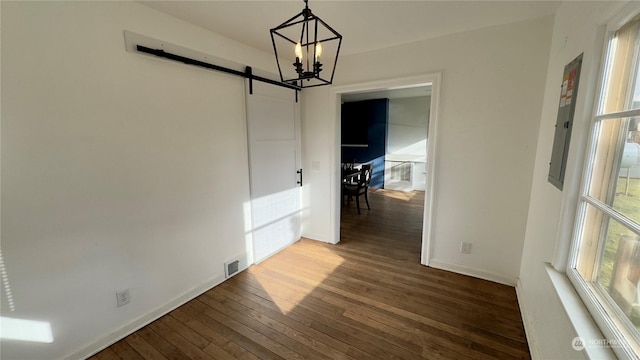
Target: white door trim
[{"x": 335, "y": 94}]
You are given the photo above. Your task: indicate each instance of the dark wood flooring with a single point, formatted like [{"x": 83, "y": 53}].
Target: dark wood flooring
[{"x": 365, "y": 298}]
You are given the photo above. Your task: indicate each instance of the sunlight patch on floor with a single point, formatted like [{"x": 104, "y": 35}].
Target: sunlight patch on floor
[
  {"x": 286, "y": 298},
  {"x": 399, "y": 195}
]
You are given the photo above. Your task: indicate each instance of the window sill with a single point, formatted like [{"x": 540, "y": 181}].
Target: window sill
[{"x": 579, "y": 316}]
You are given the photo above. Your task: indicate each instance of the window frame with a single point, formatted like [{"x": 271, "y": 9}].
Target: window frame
[{"x": 592, "y": 295}]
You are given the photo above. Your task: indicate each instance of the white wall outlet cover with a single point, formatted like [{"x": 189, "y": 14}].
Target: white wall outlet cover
[{"x": 123, "y": 297}]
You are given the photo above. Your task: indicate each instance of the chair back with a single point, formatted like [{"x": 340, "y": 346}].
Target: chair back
[{"x": 365, "y": 175}]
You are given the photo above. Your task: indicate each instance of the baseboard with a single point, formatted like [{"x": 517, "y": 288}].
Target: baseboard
[
  {"x": 527, "y": 321},
  {"x": 317, "y": 237},
  {"x": 144, "y": 320},
  {"x": 480, "y": 274}
]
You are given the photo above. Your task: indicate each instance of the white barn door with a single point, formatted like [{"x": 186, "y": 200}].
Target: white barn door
[{"x": 273, "y": 124}]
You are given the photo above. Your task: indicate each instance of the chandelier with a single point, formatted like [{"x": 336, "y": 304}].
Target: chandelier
[{"x": 312, "y": 43}]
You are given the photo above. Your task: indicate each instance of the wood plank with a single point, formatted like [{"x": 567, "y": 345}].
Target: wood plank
[
  {"x": 215, "y": 338},
  {"x": 163, "y": 346},
  {"x": 279, "y": 322},
  {"x": 195, "y": 309},
  {"x": 382, "y": 302},
  {"x": 106, "y": 354},
  {"x": 125, "y": 351},
  {"x": 189, "y": 343},
  {"x": 143, "y": 348},
  {"x": 436, "y": 300},
  {"x": 303, "y": 323},
  {"x": 418, "y": 284},
  {"x": 247, "y": 331},
  {"x": 328, "y": 321},
  {"x": 331, "y": 316},
  {"x": 272, "y": 330}
]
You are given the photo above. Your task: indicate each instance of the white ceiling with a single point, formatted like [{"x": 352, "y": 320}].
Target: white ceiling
[{"x": 364, "y": 25}]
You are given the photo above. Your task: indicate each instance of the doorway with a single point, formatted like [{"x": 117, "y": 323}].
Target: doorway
[{"x": 405, "y": 84}]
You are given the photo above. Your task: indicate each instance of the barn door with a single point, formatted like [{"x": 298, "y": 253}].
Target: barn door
[{"x": 273, "y": 122}]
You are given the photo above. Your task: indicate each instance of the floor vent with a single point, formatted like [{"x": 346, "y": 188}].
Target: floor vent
[{"x": 231, "y": 268}]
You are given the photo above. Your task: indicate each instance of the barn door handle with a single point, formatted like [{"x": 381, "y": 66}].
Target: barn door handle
[{"x": 299, "y": 172}]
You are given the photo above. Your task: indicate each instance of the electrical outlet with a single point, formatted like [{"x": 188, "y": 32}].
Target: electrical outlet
[
  {"x": 123, "y": 297},
  {"x": 465, "y": 248}
]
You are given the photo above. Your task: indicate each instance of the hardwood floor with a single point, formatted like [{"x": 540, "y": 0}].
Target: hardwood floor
[{"x": 365, "y": 298}]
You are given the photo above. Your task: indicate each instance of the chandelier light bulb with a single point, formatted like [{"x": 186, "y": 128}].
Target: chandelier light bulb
[
  {"x": 318, "y": 51},
  {"x": 298, "y": 51}
]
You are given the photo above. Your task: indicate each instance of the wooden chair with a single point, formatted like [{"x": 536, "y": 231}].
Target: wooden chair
[{"x": 361, "y": 187}]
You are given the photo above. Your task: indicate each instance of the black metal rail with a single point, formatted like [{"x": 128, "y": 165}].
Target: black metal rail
[{"x": 248, "y": 74}]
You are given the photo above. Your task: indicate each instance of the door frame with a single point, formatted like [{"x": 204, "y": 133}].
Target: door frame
[{"x": 335, "y": 96}]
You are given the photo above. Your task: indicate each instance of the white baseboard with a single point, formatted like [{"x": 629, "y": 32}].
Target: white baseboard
[
  {"x": 317, "y": 237},
  {"x": 527, "y": 320},
  {"x": 144, "y": 320},
  {"x": 481, "y": 274}
]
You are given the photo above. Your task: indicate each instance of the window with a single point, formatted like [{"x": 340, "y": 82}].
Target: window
[{"x": 605, "y": 261}]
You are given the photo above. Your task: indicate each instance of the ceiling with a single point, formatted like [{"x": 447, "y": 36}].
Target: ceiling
[{"x": 364, "y": 25}]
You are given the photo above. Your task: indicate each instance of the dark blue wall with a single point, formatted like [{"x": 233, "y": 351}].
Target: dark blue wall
[{"x": 366, "y": 122}]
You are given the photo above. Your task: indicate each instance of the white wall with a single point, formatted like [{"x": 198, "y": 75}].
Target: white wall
[
  {"x": 317, "y": 159},
  {"x": 492, "y": 85},
  {"x": 407, "y": 140},
  {"x": 408, "y": 123},
  {"x": 119, "y": 170},
  {"x": 551, "y": 211}
]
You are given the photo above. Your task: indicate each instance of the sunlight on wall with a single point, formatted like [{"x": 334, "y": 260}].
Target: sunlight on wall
[
  {"x": 417, "y": 148},
  {"x": 248, "y": 234},
  {"x": 6, "y": 286},
  {"x": 20, "y": 329},
  {"x": 25, "y": 330},
  {"x": 287, "y": 299},
  {"x": 275, "y": 222}
]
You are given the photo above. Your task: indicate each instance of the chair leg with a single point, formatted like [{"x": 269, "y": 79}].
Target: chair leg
[
  {"x": 358, "y": 203},
  {"x": 366, "y": 198}
]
